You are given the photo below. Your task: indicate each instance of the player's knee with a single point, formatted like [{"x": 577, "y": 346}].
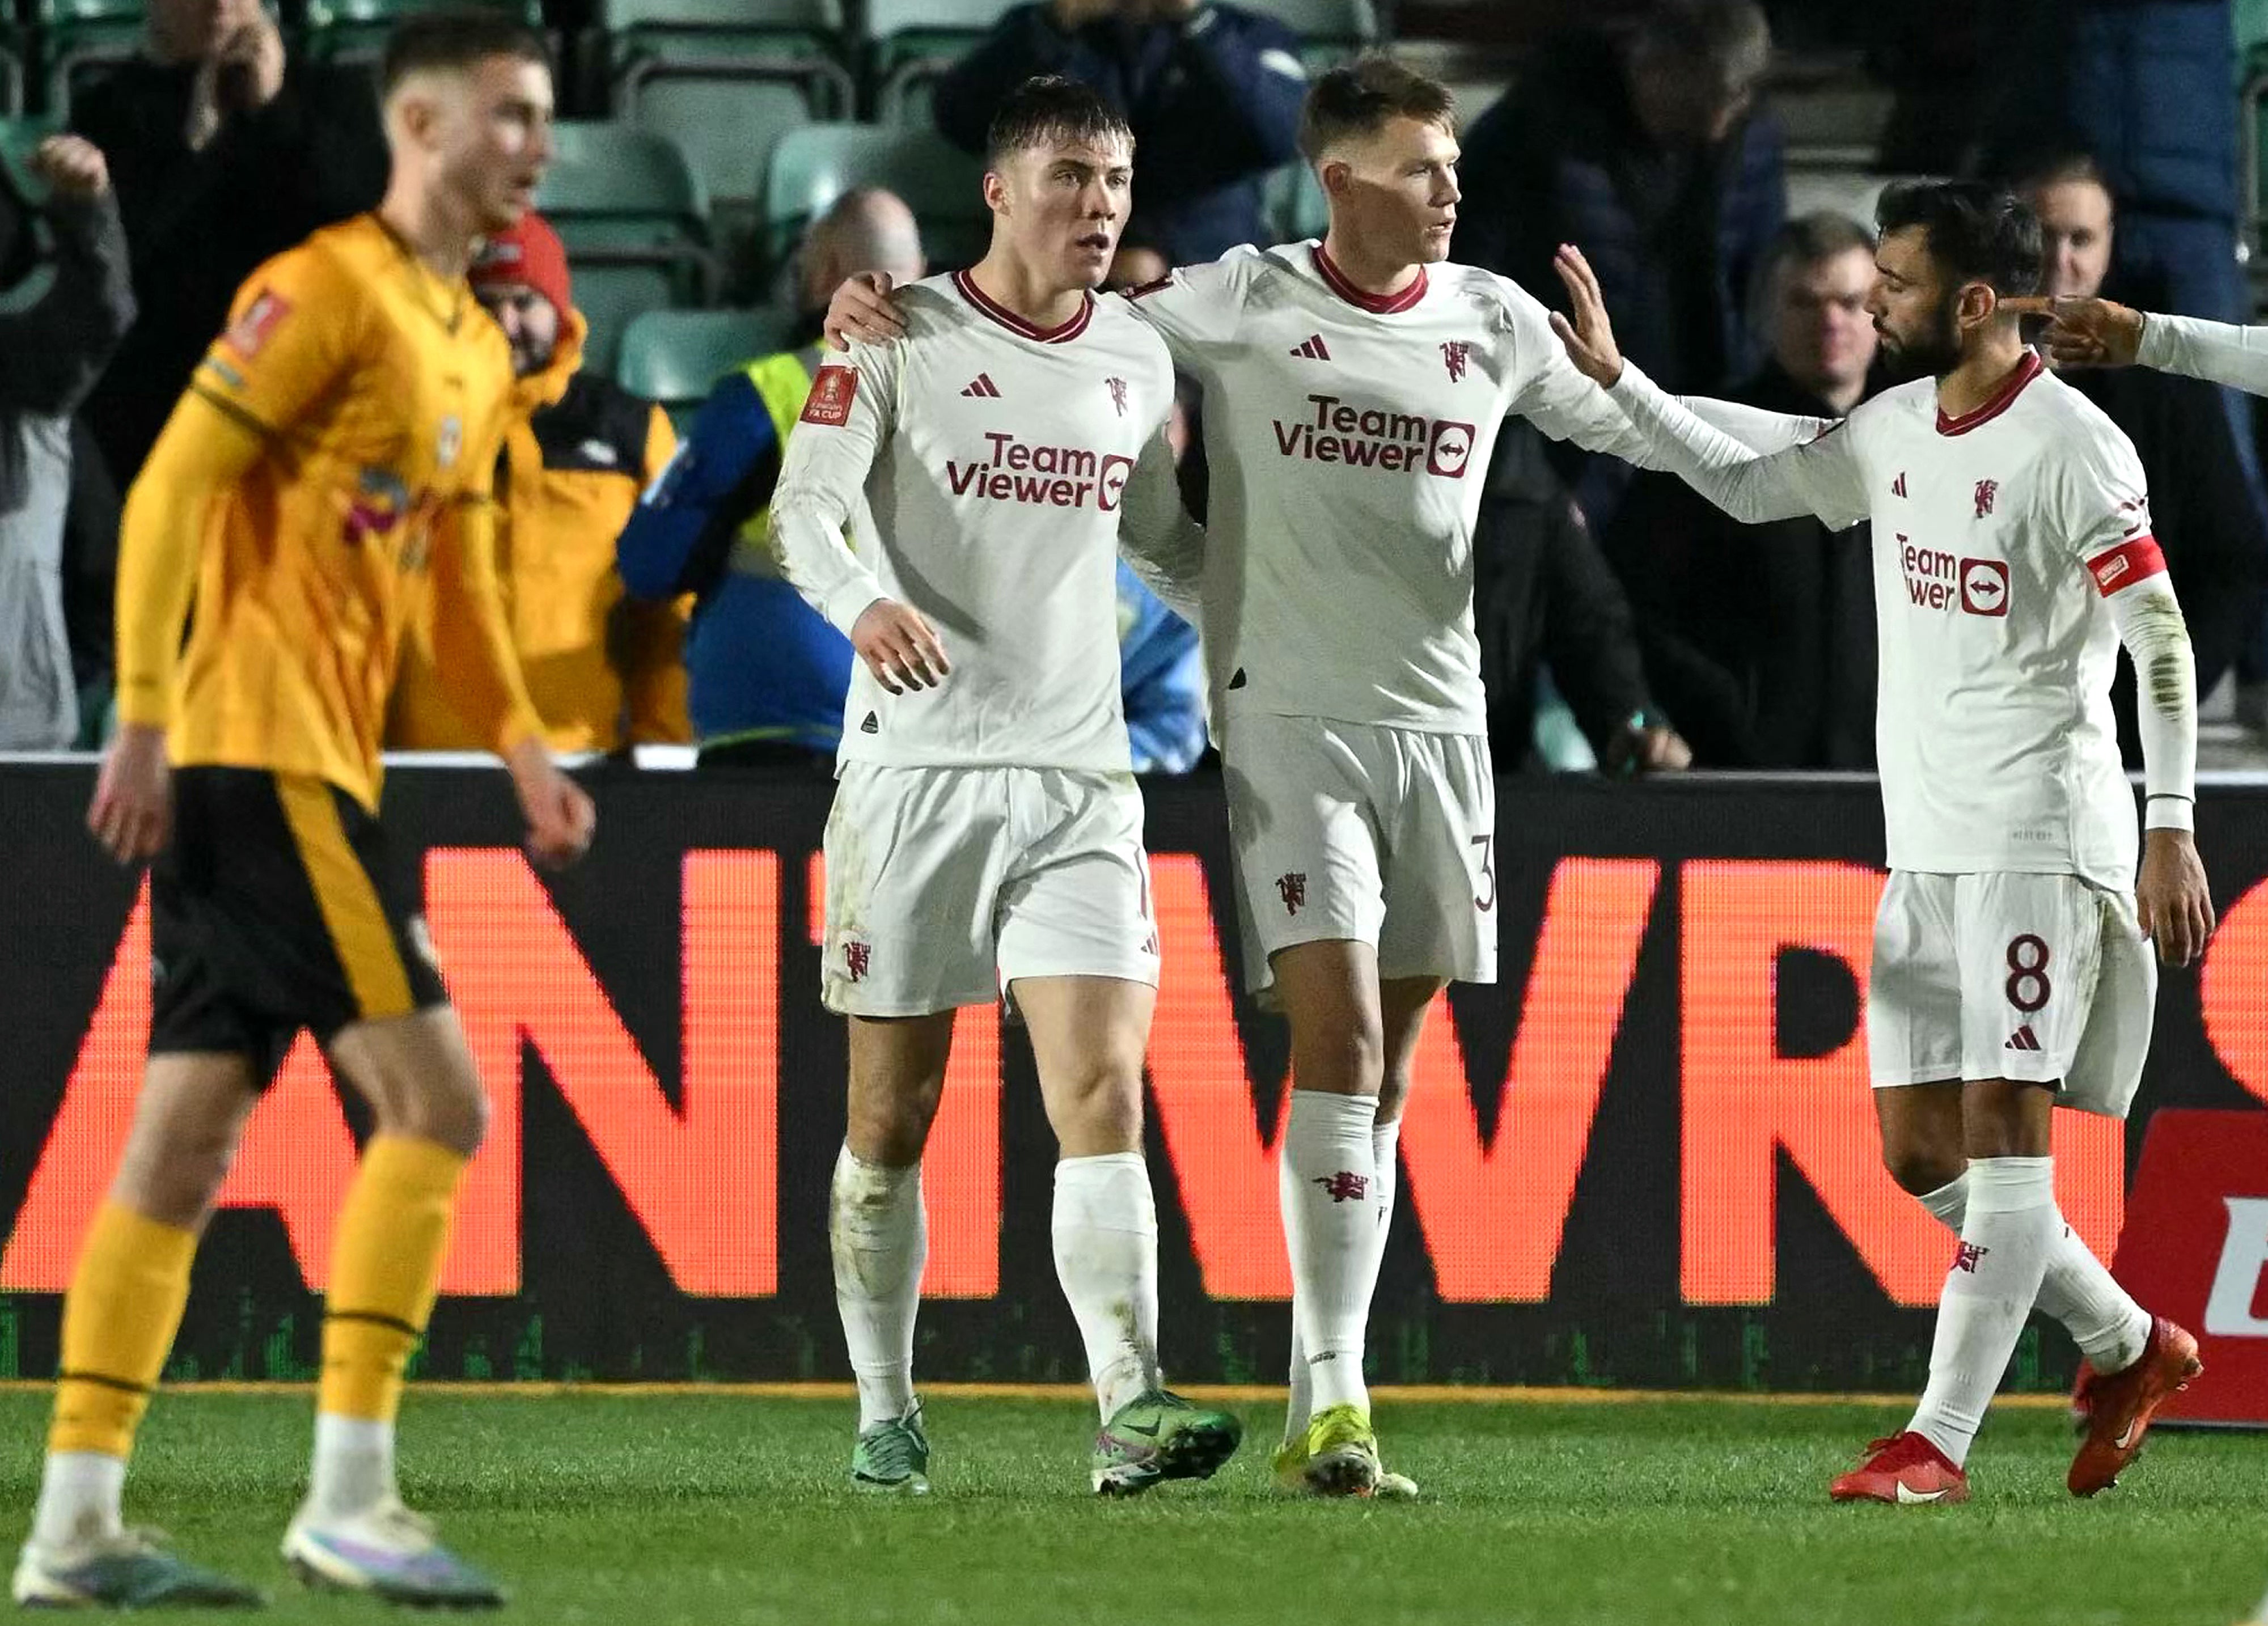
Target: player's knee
[
  {"x": 1097, "y": 1108},
  {"x": 450, "y": 1111},
  {"x": 174, "y": 1180},
  {"x": 1920, "y": 1169},
  {"x": 1346, "y": 1056}
]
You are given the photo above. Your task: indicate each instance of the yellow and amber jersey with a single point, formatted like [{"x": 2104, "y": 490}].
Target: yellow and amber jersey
[
  {"x": 381, "y": 393},
  {"x": 603, "y": 670}
]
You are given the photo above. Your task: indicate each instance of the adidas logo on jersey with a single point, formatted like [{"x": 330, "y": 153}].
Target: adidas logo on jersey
[
  {"x": 1313, "y": 350},
  {"x": 984, "y": 388},
  {"x": 2023, "y": 1039},
  {"x": 1898, "y": 486}
]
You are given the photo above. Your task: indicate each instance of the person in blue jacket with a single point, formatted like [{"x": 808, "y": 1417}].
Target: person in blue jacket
[
  {"x": 1214, "y": 93},
  {"x": 767, "y": 675}
]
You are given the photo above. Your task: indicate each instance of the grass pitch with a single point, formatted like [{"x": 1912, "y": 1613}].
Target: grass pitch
[{"x": 655, "y": 1509}]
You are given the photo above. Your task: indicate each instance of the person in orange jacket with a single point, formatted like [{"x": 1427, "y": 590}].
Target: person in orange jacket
[{"x": 604, "y": 671}]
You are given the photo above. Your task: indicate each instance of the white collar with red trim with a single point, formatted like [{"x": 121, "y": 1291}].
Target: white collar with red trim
[{"x": 987, "y": 306}]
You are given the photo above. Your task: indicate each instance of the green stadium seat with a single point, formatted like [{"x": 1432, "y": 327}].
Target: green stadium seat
[
  {"x": 1293, "y": 200},
  {"x": 913, "y": 42},
  {"x": 355, "y": 30},
  {"x": 78, "y": 37},
  {"x": 776, "y": 28},
  {"x": 622, "y": 186},
  {"x": 20, "y": 137},
  {"x": 723, "y": 78},
  {"x": 1335, "y": 26},
  {"x": 675, "y": 358},
  {"x": 612, "y": 293},
  {"x": 812, "y": 167},
  {"x": 635, "y": 222}
]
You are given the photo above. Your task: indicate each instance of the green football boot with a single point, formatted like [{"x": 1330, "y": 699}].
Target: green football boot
[
  {"x": 1157, "y": 1436},
  {"x": 132, "y": 1569},
  {"x": 892, "y": 1457}
]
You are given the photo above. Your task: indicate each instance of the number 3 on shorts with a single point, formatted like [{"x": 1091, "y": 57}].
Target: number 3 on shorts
[
  {"x": 1485, "y": 901},
  {"x": 2029, "y": 987}
]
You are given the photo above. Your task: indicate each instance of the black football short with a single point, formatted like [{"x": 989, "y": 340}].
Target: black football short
[{"x": 272, "y": 910}]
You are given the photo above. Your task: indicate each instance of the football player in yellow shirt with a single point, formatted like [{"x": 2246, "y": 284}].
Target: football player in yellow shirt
[{"x": 328, "y": 467}]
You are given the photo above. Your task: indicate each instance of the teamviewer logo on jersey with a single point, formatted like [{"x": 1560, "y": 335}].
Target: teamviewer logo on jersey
[
  {"x": 1985, "y": 586},
  {"x": 1450, "y": 450}
]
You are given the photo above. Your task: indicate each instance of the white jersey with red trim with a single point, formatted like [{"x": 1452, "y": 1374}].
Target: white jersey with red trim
[
  {"x": 1997, "y": 537},
  {"x": 1349, "y": 437},
  {"x": 985, "y": 467}
]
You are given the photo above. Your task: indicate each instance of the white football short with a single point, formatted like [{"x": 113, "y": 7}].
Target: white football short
[
  {"x": 2038, "y": 978},
  {"x": 946, "y": 885},
  {"x": 1380, "y": 835}
]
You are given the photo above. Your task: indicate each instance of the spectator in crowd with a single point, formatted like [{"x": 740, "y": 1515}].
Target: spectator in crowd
[
  {"x": 2199, "y": 508},
  {"x": 1212, "y": 91},
  {"x": 1544, "y": 596},
  {"x": 767, "y": 673},
  {"x": 1760, "y": 639},
  {"x": 603, "y": 669},
  {"x": 1651, "y": 154},
  {"x": 225, "y": 150},
  {"x": 54, "y": 343}
]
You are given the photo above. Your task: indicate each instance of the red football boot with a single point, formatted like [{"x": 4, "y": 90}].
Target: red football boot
[
  {"x": 1905, "y": 1469},
  {"x": 2119, "y": 1405}
]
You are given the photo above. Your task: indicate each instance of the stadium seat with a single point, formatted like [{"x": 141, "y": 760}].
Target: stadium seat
[
  {"x": 635, "y": 220},
  {"x": 1335, "y": 26},
  {"x": 19, "y": 136},
  {"x": 675, "y": 358},
  {"x": 724, "y": 77},
  {"x": 812, "y": 167},
  {"x": 912, "y": 41},
  {"x": 1293, "y": 201},
  {"x": 612, "y": 185},
  {"x": 355, "y": 30},
  {"x": 612, "y": 292},
  {"x": 78, "y": 37}
]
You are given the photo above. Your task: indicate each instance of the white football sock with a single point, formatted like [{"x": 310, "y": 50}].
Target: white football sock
[
  {"x": 1385, "y": 1150},
  {"x": 1106, "y": 1238},
  {"x": 80, "y": 1492},
  {"x": 353, "y": 1465},
  {"x": 879, "y": 1235},
  {"x": 2078, "y": 1288},
  {"x": 1327, "y": 1179},
  {"x": 2006, "y": 1236}
]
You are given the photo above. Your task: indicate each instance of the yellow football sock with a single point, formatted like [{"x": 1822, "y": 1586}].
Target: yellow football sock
[
  {"x": 386, "y": 1268},
  {"x": 119, "y": 1320}
]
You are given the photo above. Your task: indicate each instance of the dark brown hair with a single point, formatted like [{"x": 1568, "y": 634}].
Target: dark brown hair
[
  {"x": 455, "y": 41},
  {"x": 1357, "y": 99},
  {"x": 1050, "y": 108}
]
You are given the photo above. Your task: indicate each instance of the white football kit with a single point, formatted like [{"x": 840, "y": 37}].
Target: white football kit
[
  {"x": 989, "y": 828},
  {"x": 1349, "y": 437},
  {"x": 2012, "y": 548}
]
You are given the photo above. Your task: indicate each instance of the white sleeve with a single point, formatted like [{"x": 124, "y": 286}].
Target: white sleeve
[
  {"x": 1762, "y": 432},
  {"x": 851, "y": 411},
  {"x": 2218, "y": 352},
  {"x": 1156, "y": 536},
  {"x": 1823, "y": 477},
  {"x": 2102, "y": 508},
  {"x": 1196, "y": 308}
]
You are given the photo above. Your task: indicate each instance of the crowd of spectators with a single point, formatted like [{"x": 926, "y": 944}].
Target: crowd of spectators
[{"x": 640, "y": 581}]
